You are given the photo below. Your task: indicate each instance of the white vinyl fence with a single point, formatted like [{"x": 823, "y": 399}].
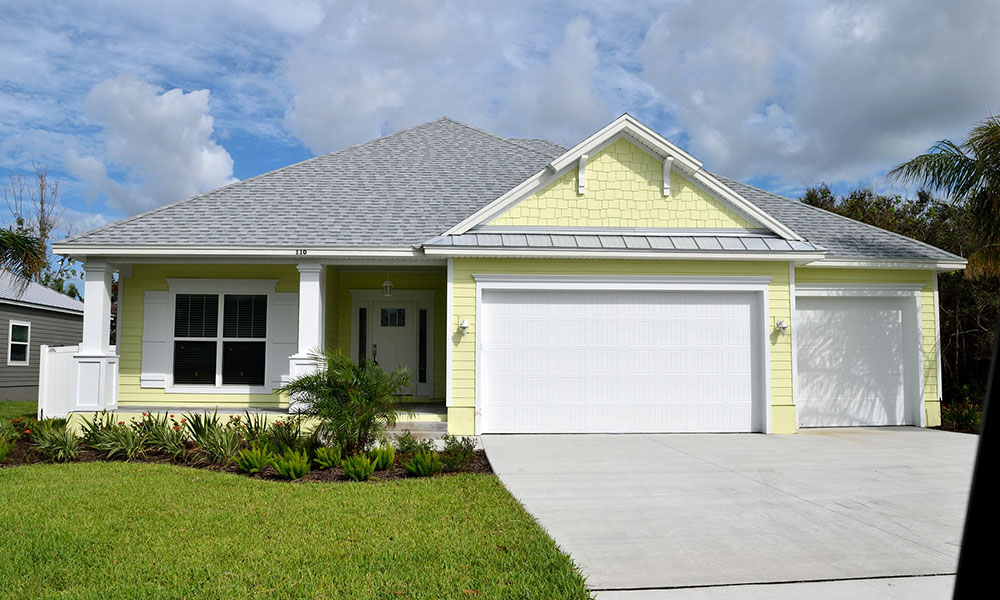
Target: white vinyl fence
[{"x": 57, "y": 380}]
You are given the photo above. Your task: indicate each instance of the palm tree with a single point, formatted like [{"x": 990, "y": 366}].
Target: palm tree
[
  {"x": 970, "y": 173},
  {"x": 21, "y": 253}
]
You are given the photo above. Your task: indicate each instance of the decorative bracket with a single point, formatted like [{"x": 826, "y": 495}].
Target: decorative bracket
[
  {"x": 581, "y": 174},
  {"x": 668, "y": 164}
]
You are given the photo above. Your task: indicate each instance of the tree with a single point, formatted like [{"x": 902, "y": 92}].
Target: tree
[
  {"x": 970, "y": 174},
  {"x": 36, "y": 214}
]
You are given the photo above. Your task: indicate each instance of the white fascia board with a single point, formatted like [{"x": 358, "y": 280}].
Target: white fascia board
[
  {"x": 623, "y": 254},
  {"x": 304, "y": 252},
  {"x": 857, "y": 289},
  {"x": 874, "y": 263},
  {"x": 68, "y": 311}
]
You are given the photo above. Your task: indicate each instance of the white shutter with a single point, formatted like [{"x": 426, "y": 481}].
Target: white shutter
[
  {"x": 283, "y": 336},
  {"x": 156, "y": 324}
]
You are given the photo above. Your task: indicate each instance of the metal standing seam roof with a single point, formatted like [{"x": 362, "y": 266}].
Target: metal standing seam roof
[
  {"x": 664, "y": 243},
  {"x": 404, "y": 189},
  {"x": 13, "y": 288}
]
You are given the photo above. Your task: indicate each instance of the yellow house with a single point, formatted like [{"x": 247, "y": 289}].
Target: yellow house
[{"x": 616, "y": 286}]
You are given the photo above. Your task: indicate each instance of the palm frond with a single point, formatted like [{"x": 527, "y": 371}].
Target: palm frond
[
  {"x": 21, "y": 253},
  {"x": 946, "y": 167}
]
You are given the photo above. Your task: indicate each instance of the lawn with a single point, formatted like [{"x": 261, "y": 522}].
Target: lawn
[
  {"x": 134, "y": 530},
  {"x": 13, "y": 410}
]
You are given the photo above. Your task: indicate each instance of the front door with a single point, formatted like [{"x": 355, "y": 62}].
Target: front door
[{"x": 394, "y": 335}]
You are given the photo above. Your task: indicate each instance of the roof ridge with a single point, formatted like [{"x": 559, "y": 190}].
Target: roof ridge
[
  {"x": 249, "y": 179},
  {"x": 842, "y": 217},
  {"x": 494, "y": 136}
]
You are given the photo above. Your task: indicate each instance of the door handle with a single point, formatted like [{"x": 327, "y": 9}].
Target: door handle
[{"x": 375, "y": 354}]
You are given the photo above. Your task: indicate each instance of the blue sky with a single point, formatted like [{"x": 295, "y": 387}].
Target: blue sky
[{"x": 133, "y": 105}]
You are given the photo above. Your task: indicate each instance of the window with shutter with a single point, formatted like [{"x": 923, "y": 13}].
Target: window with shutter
[{"x": 207, "y": 356}]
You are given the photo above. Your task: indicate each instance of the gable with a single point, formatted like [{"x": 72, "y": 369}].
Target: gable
[{"x": 624, "y": 188}]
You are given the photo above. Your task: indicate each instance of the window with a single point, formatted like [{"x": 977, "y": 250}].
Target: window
[
  {"x": 18, "y": 339},
  {"x": 393, "y": 317},
  {"x": 204, "y": 357},
  {"x": 422, "y": 346}
]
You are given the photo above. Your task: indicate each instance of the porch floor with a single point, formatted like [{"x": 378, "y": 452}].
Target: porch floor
[{"x": 435, "y": 412}]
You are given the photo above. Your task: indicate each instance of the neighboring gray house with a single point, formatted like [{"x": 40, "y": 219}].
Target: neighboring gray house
[{"x": 31, "y": 316}]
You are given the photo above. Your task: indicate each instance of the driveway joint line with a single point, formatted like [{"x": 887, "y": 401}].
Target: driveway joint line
[{"x": 749, "y": 583}]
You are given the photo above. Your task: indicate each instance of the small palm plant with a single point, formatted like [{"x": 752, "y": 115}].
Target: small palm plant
[{"x": 355, "y": 403}]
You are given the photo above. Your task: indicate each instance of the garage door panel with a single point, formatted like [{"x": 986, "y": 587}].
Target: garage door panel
[
  {"x": 639, "y": 361},
  {"x": 851, "y": 361}
]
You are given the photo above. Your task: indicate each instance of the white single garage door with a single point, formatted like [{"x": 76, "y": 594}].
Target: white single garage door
[
  {"x": 853, "y": 363},
  {"x": 623, "y": 361}
]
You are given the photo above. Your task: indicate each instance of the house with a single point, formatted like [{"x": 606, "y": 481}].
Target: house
[
  {"x": 616, "y": 286},
  {"x": 32, "y": 315}
]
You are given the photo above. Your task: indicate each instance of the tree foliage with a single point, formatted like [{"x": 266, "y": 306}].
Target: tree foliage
[{"x": 969, "y": 305}]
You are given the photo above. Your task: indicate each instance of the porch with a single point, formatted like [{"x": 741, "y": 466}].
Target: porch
[{"x": 227, "y": 337}]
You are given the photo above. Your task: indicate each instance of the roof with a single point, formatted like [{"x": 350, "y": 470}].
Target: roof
[
  {"x": 405, "y": 190},
  {"x": 606, "y": 241},
  {"x": 12, "y": 289}
]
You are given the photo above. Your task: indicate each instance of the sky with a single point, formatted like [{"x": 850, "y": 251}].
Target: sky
[{"x": 133, "y": 104}]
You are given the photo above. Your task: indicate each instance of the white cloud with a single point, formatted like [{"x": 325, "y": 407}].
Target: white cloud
[{"x": 161, "y": 141}]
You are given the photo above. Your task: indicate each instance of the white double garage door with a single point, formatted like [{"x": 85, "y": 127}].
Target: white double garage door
[{"x": 565, "y": 361}]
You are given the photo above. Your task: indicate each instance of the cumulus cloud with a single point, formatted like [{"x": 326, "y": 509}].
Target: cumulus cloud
[{"x": 161, "y": 142}]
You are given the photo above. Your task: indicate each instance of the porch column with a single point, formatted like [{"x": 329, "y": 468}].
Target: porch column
[
  {"x": 312, "y": 322},
  {"x": 96, "y": 368}
]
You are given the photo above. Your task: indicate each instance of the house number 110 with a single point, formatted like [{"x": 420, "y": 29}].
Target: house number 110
[{"x": 301, "y": 252}]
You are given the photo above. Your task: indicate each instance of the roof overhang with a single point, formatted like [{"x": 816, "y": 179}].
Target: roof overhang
[
  {"x": 141, "y": 251},
  {"x": 623, "y": 254},
  {"x": 58, "y": 309},
  {"x": 890, "y": 263},
  {"x": 651, "y": 142}
]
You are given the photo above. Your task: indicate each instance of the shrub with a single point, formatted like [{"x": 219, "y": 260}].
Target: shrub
[
  {"x": 254, "y": 458},
  {"x": 424, "y": 464},
  {"x": 119, "y": 440},
  {"x": 327, "y": 458},
  {"x": 6, "y": 446},
  {"x": 56, "y": 444},
  {"x": 91, "y": 429},
  {"x": 16, "y": 429},
  {"x": 254, "y": 427},
  {"x": 291, "y": 464},
  {"x": 220, "y": 444},
  {"x": 966, "y": 415},
  {"x": 284, "y": 435},
  {"x": 407, "y": 445},
  {"x": 383, "y": 457},
  {"x": 198, "y": 424},
  {"x": 163, "y": 434},
  {"x": 358, "y": 467},
  {"x": 356, "y": 404},
  {"x": 458, "y": 452}
]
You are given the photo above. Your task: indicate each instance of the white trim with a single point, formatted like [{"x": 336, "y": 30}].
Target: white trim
[
  {"x": 937, "y": 338},
  {"x": 653, "y": 143},
  {"x": 298, "y": 253},
  {"x": 10, "y": 340},
  {"x": 885, "y": 290},
  {"x": 506, "y": 281},
  {"x": 791, "y": 340},
  {"x": 449, "y": 323},
  {"x": 68, "y": 311},
  {"x": 581, "y": 175},
  {"x": 422, "y": 300},
  {"x": 862, "y": 289},
  {"x": 623, "y": 254},
  {"x": 644, "y": 231},
  {"x": 221, "y": 287},
  {"x": 668, "y": 164},
  {"x": 877, "y": 263}
]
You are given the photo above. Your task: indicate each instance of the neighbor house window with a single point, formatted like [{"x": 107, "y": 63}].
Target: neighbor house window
[
  {"x": 207, "y": 354},
  {"x": 18, "y": 338}
]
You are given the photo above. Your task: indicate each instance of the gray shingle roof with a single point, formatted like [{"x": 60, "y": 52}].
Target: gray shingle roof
[
  {"x": 607, "y": 241},
  {"x": 408, "y": 187},
  {"x": 395, "y": 191},
  {"x": 12, "y": 288}
]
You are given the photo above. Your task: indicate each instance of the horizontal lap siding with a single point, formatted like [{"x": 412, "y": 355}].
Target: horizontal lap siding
[
  {"x": 928, "y": 334},
  {"x": 153, "y": 277},
  {"x": 47, "y": 327},
  {"x": 464, "y": 307}
]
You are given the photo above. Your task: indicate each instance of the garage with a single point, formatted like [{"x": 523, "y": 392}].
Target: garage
[
  {"x": 567, "y": 361},
  {"x": 857, "y": 360}
]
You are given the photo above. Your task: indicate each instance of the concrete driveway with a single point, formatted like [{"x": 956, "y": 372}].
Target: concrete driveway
[{"x": 660, "y": 512}]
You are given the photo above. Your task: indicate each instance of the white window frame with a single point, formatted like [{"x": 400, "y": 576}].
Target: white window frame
[
  {"x": 221, "y": 288},
  {"x": 10, "y": 340}
]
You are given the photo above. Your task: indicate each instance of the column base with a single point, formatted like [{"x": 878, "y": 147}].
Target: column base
[
  {"x": 298, "y": 365},
  {"x": 96, "y": 382}
]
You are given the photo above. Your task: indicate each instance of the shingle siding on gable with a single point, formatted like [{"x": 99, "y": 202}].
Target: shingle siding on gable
[{"x": 624, "y": 188}]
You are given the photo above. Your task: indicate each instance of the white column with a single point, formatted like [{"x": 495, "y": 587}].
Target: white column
[
  {"x": 96, "y": 367},
  {"x": 312, "y": 322}
]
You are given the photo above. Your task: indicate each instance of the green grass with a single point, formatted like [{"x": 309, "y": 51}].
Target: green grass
[
  {"x": 121, "y": 530},
  {"x": 13, "y": 410}
]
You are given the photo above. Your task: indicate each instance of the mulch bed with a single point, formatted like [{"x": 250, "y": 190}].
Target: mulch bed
[{"x": 24, "y": 453}]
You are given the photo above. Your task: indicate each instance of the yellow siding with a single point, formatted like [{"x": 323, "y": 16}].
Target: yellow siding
[
  {"x": 461, "y": 413},
  {"x": 624, "y": 188},
  {"x": 153, "y": 277},
  {"x": 401, "y": 280},
  {"x": 932, "y": 403}
]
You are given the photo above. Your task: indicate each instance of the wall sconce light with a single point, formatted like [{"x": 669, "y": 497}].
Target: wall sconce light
[
  {"x": 463, "y": 327},
  {"x": 781, "y": 326},
  {"x": 387, "y": 287}
]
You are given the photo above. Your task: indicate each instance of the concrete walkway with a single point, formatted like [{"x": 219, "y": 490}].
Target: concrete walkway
[{"x": 644, "y": 514}]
